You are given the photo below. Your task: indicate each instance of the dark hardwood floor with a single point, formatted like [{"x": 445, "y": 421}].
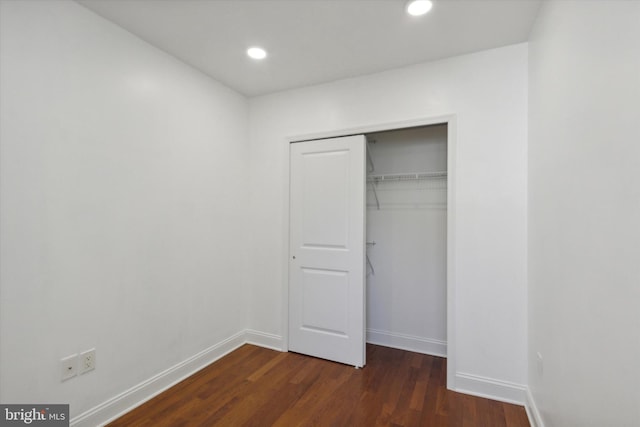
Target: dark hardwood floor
[{"x": 254, "y": 386}]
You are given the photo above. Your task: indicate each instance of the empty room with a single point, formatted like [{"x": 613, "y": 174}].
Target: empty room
[{"x": 320, "y": 212}]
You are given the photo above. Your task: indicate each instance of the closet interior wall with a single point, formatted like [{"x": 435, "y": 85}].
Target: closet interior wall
[{"x": 407, "y": 240}]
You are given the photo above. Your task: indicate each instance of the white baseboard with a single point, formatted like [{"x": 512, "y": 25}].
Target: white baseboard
[
  {"x": 263, "y": 339},
  {"x": 407, "y": 342},
  {"x": 532, "y": 411},
  {"x": 138, "y": 394},
  {"x": 490, "y": 388}
]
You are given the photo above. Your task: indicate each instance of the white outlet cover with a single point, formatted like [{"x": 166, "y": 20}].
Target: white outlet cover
[
  {"x": 69, "y": 367},
  {"x": 87, "y": 361}
]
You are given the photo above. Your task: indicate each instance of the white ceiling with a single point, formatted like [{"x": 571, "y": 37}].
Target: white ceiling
[{"x": 315, "y": 41}]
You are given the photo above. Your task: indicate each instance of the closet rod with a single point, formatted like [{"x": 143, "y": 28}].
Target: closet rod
[{"x": 406, "y": 176}]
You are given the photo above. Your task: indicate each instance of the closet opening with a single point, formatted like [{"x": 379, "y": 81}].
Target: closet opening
[
  {"x": 399, "y": 180},
  {"x": 406, "y": 239}
]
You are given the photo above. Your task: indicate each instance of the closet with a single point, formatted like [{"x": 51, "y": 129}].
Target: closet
[{"x": 406, "y": 236}]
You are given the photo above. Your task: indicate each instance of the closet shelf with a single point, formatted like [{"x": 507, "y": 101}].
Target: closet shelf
[{"x": 406, "y": 176}]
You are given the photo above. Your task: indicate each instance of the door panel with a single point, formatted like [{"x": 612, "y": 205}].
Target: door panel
[
  {"x": 324, "y": 301},
  {"x": 326, "y": 263},
  {"x": 325, "y": 204}
]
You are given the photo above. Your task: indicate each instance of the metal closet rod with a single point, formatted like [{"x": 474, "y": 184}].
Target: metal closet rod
[{"x": 406, "y": 176}]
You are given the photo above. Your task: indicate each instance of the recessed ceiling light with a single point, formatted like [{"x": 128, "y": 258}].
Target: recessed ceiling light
[
  {"x": 257, "y": 53},
  {"x": 419, "y": 7}
]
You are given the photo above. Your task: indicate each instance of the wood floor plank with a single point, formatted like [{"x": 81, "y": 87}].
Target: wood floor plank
[
  {"x": 419, "y": 392},
  {"x": 266, "y": 367},
  {"x": 310, "y": 406},
  {"x": 254, "y": 386},
  {"x": 515, "y": 415}
]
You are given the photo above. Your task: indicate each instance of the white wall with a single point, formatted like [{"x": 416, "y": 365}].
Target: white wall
[
  {"x": 488, "y": 93},
  {"x": 407, "y": 284},
  {"x": 584, "y": 210},
  {"x": 419, "y": 149},
  {"x": 124, "y": 206}
]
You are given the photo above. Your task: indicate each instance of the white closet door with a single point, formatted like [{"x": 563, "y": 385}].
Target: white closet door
[{"x": 327, "y": 249}]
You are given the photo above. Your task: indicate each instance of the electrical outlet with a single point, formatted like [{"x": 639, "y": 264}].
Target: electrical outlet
[
  {"x": 87, "y": 361},
  {"x": 69, "y": 367},
  {"x": 539, "y": 363}
]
